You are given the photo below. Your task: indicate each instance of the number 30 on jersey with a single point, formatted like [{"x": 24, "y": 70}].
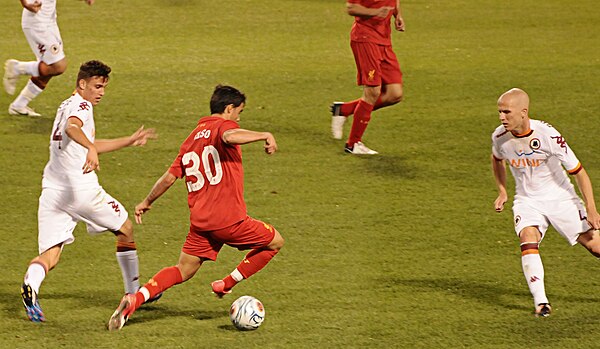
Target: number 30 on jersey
[{"x": 192, "y": 160}]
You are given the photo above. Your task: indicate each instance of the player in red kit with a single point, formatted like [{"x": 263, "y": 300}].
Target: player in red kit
[
  {"x": 378, "y": 70},
  {"x": 210, "y": 161}
]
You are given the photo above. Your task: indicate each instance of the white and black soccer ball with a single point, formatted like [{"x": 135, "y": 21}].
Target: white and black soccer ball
[{"x": 247, "y": 313}]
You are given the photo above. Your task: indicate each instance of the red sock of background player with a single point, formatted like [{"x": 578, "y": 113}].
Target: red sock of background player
[
  {"x": 164, "y": 279},
  {"x": 348, "y": 108},
  {"x": 362, "y": 116},
  {"x": 255, "y": 260}
]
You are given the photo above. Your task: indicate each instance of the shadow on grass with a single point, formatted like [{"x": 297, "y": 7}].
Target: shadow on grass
[
  {"x": 496, "y": 294},
  {"x": 37, "y": 125},
  {"x": 387, "y": 165}
]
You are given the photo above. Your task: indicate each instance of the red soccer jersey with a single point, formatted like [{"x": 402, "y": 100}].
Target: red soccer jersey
[
  {"x": 213, "y": 174},
  {"x": 375, "y": 29}
]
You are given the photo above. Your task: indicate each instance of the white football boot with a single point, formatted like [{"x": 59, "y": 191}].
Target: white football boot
[
  {"x": 10, "y": 76},
  {"x": 25, "y": 111},
  {"x": 359, "y": 149},
  {"x": 337, "y": 120}
]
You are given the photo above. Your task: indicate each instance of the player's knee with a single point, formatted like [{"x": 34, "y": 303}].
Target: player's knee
[
  {"x": 127, "y": 229},
  {"x": 53, "y": 69},
  {"x": 277, "y": 242}
]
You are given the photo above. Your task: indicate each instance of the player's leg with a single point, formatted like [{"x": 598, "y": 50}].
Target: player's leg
[
  {"x": 533, "y": 269},
  {"x": 166, "y": 278},
  {"x": 36, "y": 273},
  {"x": 127, "y": 257},
  {"x": 591, "y": 241},
  {"x": 55, "y": 229},
  {"x": 390, "y": 95},
  {"x": 51, "y": 61},
  {"x": 263, "y": 240},
  {"x": 391, "y": 77},
  {"x": 362, "y": 116}
]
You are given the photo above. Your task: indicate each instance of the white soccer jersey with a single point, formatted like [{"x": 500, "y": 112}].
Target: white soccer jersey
[
  {"x": 44, "y": 17},
  {"x": 64, "y": 170},
  {"x": 536, "y": 161}
]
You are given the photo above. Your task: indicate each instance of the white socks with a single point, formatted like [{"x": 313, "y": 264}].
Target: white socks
[
  {"x": 128, "y": 261},
  {"x": 35, "y": 276},
  {"x": 29, "y": 92},
  {"x": 533, "y": 269}
]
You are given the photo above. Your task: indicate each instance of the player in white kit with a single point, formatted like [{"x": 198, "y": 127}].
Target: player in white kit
[
  {"x": 41, "y": 30},
  {"x": 71, "y": 192},
  {"x": 537, "y": 153}
]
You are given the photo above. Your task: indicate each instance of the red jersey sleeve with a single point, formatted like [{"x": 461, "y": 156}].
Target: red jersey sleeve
[{"x": 176, "y": 169}]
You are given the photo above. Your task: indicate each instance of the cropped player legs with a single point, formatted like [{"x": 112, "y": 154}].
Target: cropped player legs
[
  {"x": 38, "y": 83},
  {"x": 533, "y": 269}
]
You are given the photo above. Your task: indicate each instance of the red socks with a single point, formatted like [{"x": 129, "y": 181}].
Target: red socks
[
  {"x": 164, "y": 279},
  {"x": 362, "y": 116},
  {"x": 255, "y": 260},
  {"x": 349, "y": 108}
]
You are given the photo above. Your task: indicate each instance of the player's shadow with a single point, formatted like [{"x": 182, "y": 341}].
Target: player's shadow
[
  {"x": 37, "y": 125},
  {"x": 11, "y": 305},
  {"x": 492, "y": 294},
  {"x": 386, "y": 165}
]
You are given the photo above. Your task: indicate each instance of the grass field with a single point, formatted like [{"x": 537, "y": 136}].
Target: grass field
[{"x": 401, "y": 250}]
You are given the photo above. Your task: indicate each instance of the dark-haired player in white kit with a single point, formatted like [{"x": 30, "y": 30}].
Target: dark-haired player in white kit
[
  {"x": 537, "y": 153},
  {"x": 71, "y": 192}
]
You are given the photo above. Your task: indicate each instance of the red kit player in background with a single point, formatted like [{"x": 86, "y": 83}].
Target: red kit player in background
[
  {"x": 210, "y": 160},
  {"x": 378, "y": 70}
]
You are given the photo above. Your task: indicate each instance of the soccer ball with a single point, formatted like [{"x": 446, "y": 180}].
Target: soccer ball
[{"x": 247, "y": 313}]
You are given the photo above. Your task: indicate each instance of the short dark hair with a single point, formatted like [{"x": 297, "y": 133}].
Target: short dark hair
[
  {"x": 93, "y": 68},
  {"x": 224, "y": 96}
]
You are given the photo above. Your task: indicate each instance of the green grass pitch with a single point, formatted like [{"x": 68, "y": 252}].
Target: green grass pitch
[{"x": 401, "y": 250}]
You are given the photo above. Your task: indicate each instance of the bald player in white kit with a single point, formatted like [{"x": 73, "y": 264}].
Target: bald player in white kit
[
  {"x": 39, "y": 25},
  {"x": 538, "y": 156},
  {"x": 71, "y": 192}
]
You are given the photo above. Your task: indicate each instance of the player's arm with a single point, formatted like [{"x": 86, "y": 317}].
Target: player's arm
[
  {"x": 499, "y": 169},
  {"x": 398, "y": 20},
  {"x": 160, "y": 187},
  {"x": 138, "y": 138},
  {"x": 358, "y": 10},
  {"x": 74, "y": 131},
  {"x": 241, "y": 136},
  {"x": 585, "y": 188},
  {"x": 32, "y": 6}
]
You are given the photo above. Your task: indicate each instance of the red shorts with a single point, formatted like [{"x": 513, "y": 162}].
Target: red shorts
[
  {"x": 376, "y": 65},
  {"x": 247, "y": 234}
]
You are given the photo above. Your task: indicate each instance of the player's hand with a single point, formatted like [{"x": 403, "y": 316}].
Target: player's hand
[
  {"x": 141, "y": 136},
  {"x": 399, "y": 23},
  {"x": 270, "y": 144},
  {"x": 91, "y": 161},
  {"x": 32, "y": 6},
  {"x": 383, "y": 12},
  {"x": 140, "y": 209},
  {"x": 594, "y": 219},
  {"x": 500, "y": 201}
]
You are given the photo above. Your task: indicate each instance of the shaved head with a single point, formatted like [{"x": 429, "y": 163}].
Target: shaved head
[
  {"x": 513, "y": 108},
  {"x": 515, "y": 97}
]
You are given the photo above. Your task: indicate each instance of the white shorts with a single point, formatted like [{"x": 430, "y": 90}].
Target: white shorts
[
  {"x": 60, "y": 211},
  {"x": 46, "y": 44},
  {"x": 568, "y": 217}
]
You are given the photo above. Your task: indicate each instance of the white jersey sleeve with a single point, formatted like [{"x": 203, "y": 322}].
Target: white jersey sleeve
[{"x": 562, "y": 151}]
